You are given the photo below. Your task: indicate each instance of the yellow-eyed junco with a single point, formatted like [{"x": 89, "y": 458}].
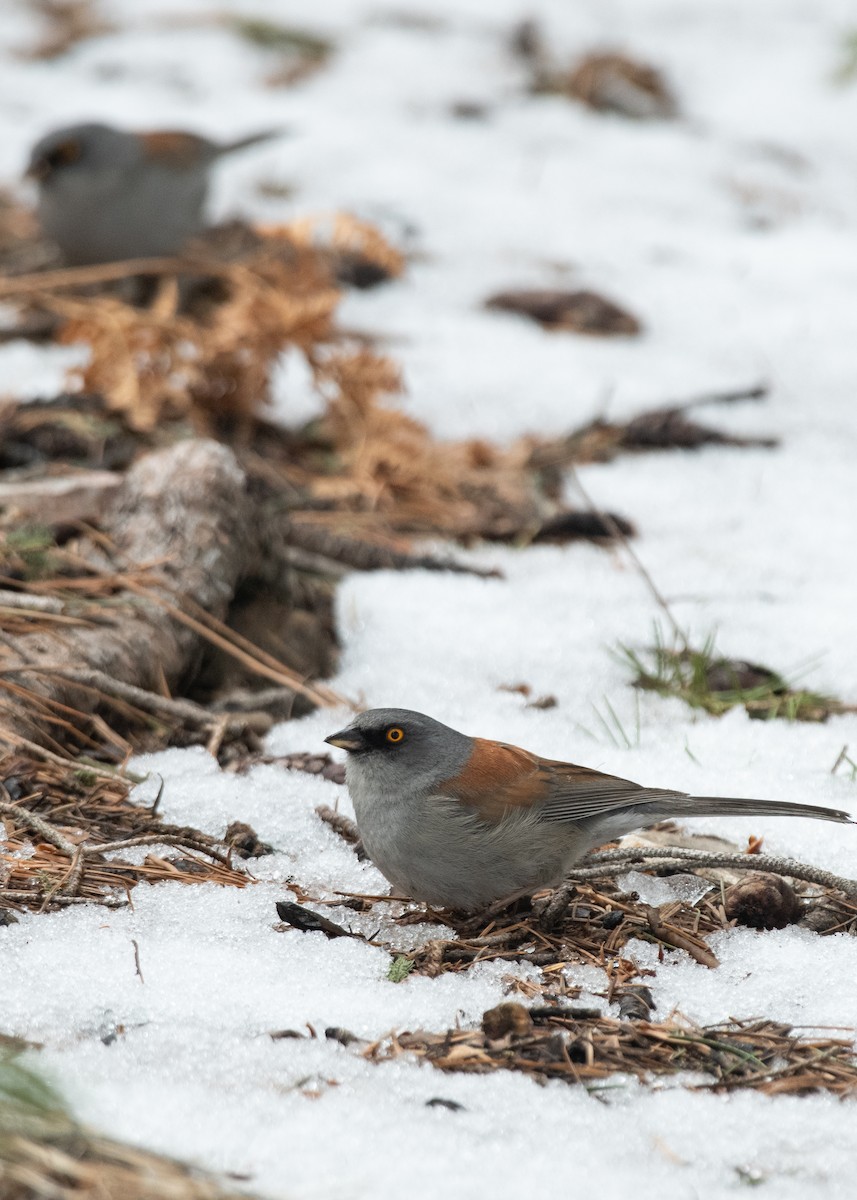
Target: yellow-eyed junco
[
  {"x": 460, "y": 822},
  {"x": 107, "y": 194}
]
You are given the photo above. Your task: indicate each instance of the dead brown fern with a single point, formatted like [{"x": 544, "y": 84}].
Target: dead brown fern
[
  {"x": 392, "y": 464},
  {"x": 367, "y": 468},
  {"x": 345, "y": 236},
  {"x": 159, "y": 363}
]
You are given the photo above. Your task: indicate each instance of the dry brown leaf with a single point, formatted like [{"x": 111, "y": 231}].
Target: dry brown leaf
[
  {"x": 348, "y": 237},
  {"x": 576, "y": 312},
  {"x": 66, "y": 23},
  {"x": 617, "y": 83}
]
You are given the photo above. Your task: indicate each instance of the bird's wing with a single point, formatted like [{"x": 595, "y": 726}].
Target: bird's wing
[
  {"x": 498, "y": 778},
  {"x": 575, "y": 793},
  {"x": 495, "y": 779},
  {"x": 176, "y": 148}
]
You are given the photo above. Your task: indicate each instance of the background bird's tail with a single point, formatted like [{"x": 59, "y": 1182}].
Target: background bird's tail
[{"x": 251, "y": 139}]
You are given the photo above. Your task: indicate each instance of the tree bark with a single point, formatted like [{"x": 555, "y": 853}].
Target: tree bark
[{"x": 183, "y": 531}]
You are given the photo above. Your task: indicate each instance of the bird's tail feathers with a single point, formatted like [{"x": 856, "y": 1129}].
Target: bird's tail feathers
[{"x": 727, "y": 806}]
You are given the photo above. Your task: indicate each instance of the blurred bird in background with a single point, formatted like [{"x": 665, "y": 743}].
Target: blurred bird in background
[{"x": 109, "y": 194}]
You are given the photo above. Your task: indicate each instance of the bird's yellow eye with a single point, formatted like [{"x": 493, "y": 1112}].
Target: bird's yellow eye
[{"x": 395, "y": 735}]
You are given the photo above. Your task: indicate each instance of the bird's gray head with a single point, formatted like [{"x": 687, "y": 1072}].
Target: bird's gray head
[
  {"x": 394, "y": 744},
  {"x": 78, "y": 148}
]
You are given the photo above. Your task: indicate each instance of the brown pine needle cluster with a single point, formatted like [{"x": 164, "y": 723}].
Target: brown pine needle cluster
[
  {"x": 65, "y": 826},
  {"x": 583, "y": 1048}
]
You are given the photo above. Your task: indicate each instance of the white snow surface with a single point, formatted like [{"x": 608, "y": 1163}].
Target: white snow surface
[{"x": 732, "y": 232}]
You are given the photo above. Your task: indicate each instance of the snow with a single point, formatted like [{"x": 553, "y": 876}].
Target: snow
[
  {"x": 32, "y": 372},
  {"x": 731, "y": 233}
]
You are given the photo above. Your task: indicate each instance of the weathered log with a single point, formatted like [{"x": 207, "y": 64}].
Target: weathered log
[
  {"x": 184, "y": 532},
  {"x": 83, "y": 496}
]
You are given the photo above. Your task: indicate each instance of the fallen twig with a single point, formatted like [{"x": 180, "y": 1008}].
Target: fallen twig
[
  {"x": 681, "y": 941},
  {"x": 605, "y": 863},
  {"x": 177, "y": 711},
  {"x": 74, "y": 277}
]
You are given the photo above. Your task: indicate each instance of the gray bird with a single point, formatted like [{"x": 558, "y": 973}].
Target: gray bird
[
  {"x": 460, "y": 822},
  {"x": 107, "y": 194}
]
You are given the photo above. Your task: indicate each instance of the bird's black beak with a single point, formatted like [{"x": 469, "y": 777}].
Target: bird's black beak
[
  {"x": 42, "y": 165},
  {"x": 347, "y": 739}
]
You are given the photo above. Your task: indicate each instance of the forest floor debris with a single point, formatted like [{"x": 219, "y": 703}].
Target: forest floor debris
[
  {"x": 705, "y": 679},
  {"x": 553, "y": 1042},
  {"x": 46, "y": 1154},
  {"x": 63, "y": 825}
]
